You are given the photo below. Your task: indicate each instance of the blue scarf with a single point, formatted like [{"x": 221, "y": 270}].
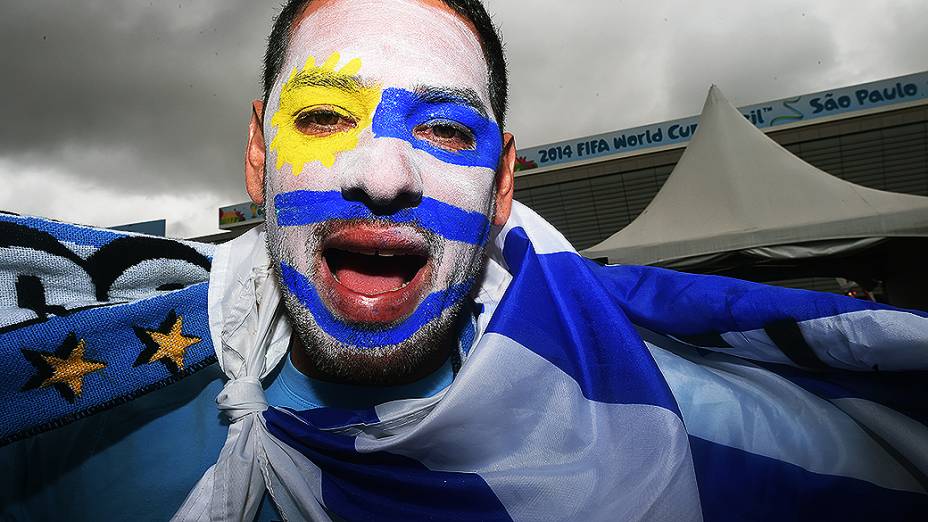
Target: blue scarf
[{"x": 92, "y": 318}]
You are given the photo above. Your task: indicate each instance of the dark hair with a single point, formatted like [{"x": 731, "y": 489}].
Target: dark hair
[{"x": 471, "y": 10}]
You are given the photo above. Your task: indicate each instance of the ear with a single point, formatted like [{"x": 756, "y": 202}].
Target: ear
[
  {"x": 504, "y": 180},
  {"x": 254, "y": 154}
]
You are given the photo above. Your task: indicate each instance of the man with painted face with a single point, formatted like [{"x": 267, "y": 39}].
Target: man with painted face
[
  {"x": 402, "y": 341},
  {"x": 384, "y": 168}
]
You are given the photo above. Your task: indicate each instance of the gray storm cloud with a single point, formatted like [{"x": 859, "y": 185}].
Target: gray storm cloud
[{"x": 144, "y": 96}]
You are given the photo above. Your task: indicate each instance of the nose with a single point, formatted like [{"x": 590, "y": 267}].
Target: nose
[{"x": 386, "y": 179}]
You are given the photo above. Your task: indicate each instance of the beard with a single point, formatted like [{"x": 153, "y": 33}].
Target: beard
[{"x": 402, "y": 362}]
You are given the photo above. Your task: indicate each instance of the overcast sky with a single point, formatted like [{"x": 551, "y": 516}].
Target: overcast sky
[{"x": 115, "y": 111}]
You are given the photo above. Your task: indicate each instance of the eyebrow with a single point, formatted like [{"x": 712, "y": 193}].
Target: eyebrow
[
  {"x": 323, "y": 78},
  {"x": 465, "y": 96}
]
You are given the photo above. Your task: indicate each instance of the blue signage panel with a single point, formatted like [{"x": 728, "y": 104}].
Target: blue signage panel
[
  {"x": 903, "y": 89},
  {"x": 151, "y": 228}
]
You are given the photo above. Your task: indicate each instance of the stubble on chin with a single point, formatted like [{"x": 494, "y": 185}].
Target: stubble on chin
[
  {"x": 410, "y": 360},
  {"x": 416, "y": 357}
]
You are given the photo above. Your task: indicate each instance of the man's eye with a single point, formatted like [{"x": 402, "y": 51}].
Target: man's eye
[
  {"x": 322, "y": 122},
  {"x": 448, "y": 136}
]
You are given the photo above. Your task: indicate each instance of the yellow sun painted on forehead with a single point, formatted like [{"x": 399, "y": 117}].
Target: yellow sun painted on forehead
[{"x": 321, "y": 87}]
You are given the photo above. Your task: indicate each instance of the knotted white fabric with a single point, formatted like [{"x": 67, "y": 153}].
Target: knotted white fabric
[
  {"x": 250, "y": 336},
  {"x": 241, "y": 397}
]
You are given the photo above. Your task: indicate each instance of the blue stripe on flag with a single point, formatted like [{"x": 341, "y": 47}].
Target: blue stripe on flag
[
  {"x": 383, "y": 486},
  {"x": 555, "y": 307},
  {"x": 737, "y": 485},
  {"x": 904, "y": 392},
  {"x": 678, "y": 303},
  {"x": 305, "y": 207},
  {"x": 327, "y": 418}
]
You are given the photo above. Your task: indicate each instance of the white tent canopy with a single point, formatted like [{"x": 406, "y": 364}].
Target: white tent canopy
[{"x": 735, "y": 190}]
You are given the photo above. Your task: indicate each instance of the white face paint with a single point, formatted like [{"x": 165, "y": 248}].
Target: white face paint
[{"x": 381, "y": 160}]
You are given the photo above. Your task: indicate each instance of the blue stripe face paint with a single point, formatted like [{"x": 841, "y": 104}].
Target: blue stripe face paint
[
  {"x": 306, "y": 208},
  {"x": 303, "y": 207},
  {"x": 430, "y": 309},
  {"x": 401, "y": 111}
]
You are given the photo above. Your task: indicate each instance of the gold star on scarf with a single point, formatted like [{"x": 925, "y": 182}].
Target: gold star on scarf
[
  {"x": 166, "y": 344},
  {"x": 65, "y": 369}
]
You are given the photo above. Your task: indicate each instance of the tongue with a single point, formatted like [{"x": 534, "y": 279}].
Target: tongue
[{"x": 370, "y": 275}]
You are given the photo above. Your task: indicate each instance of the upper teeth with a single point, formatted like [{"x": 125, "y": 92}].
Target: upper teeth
[{"x": 375, "y": 253}]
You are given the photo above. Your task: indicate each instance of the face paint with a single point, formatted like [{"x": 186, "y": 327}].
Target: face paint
[
  {"x": 301, "y": 208},
  {"x": 380, "y": 236},
  {"x": 401, "y": 112},
  {"x": 429, "y": 310},
  {"x": 310, "y": 95}
]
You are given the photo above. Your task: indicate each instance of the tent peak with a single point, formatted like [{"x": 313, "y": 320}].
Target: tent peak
[{"x": 715, "y": 96}]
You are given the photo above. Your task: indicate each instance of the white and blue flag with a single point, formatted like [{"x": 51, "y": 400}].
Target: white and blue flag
[{"x": 592, "y": 393}]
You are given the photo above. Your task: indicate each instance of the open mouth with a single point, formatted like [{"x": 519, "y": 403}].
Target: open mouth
[{"x": 371, "y": 274}]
